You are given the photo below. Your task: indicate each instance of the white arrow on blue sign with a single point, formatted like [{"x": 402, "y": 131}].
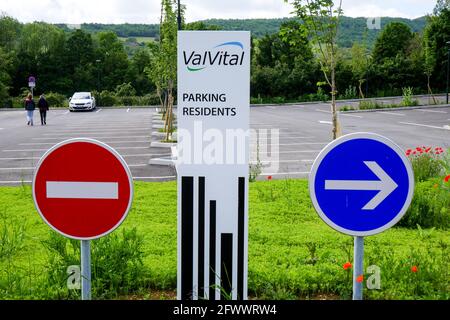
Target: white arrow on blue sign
[{"x": 361, "y": 184}]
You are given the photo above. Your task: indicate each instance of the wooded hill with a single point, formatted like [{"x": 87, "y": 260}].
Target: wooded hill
[{"x": 351, "y": 29}]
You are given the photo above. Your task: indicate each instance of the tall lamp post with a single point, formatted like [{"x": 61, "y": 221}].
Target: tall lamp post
[
  {"x": 448, "y": 67},
  {"x": 179, "y": 15}
]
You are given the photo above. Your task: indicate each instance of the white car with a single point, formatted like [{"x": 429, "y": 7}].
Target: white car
[{"x": 82, "y": 101}]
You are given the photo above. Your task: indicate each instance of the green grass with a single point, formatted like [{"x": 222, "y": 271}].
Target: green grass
[{"x": 283, "y": 229}]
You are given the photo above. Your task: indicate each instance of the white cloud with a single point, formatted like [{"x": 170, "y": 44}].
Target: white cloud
[{"x": 148, "y": 11}]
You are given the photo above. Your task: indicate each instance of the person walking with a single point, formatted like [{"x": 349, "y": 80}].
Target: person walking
[
  {"x": 43, "y": 108},
  {"x": 29, "y": 107}
]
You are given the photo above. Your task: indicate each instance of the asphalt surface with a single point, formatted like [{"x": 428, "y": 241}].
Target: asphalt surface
[{"x": 303, "y": 131}]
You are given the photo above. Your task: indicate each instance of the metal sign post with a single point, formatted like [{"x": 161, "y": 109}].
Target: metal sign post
[
  {"x": 358, "y": 267},
  {"x": 85, "y": 270},
  {"x": 361, "y": 184},
  {"x": 84, "y": 203}
]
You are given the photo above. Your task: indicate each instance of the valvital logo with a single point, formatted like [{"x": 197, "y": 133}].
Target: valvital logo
[{"x": 225, "y": 54}]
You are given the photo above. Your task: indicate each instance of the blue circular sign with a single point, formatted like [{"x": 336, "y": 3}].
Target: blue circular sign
[{"x": 361, "y": 184}]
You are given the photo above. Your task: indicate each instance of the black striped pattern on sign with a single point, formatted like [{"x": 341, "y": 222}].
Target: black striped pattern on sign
[
  {"x": 226, "y": 266},
  {"x": 187, "y": 220},
  {"x": 201, "y": 237},
  {"x": 212, "y": 250}
]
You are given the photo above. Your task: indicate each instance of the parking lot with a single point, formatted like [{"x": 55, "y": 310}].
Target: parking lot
[{"x": 303, "y": 131}]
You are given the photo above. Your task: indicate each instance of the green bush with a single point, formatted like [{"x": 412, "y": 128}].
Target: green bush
[
  {"x": 407, "y": 98},
  {"x": 125, "y": 90},
  {"x": 106, "y": 99},
  {"x": 370, "y": 104},
  {"x": 430, "y": 206},
  {"x": 56, "y": 100},
  {"x": 117, "y": 264},
  {"x": 428, "y": 163},
  {"x": 350, "y": 93}
]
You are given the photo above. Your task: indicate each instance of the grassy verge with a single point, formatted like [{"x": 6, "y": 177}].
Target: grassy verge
[{"x": 292, "y": 253}]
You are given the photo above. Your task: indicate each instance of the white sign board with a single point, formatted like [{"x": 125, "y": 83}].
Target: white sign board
[{"x": 213, "y": 151}]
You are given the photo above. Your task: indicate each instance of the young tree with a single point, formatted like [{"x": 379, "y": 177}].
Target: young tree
[
  {"x": 321, "y": 19},
  {"x": 360, "y": 63},
  {"x": 163, "y": 70}
]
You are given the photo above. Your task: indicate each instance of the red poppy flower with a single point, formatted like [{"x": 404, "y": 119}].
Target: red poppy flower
[
  {"x": 428, "y": 150},
  {"x": 419, "y": 149},
  {"x": 347, "y": 265},
  {"x": 447, "y": 178},
  {"x": 414, "y": 269},
  {"x": 360, "y": 278},
  {"x": 269, "y": 178}
]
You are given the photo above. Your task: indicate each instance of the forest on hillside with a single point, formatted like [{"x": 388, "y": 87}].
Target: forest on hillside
[{"x": 351, "y": 30}]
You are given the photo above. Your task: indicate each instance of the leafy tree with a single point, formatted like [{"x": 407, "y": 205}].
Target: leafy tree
[
  {"x": 114, "y": 60},
  {"x": 441, "y": 5},
  {"x": 136, "y": 72},
  {"x": 360, "y": 62},
  {"x": 283, "y": 63},
  {"x": 163, "y": 70},
  {"x": 436, "y": 35},
  {"x": 5, "y": 69},
  {"x": 200, "y": 25},
  {"x": 394, "y": 40},
  {"x": 10, "y": 30},
  {"x": 321, "y": 20}
]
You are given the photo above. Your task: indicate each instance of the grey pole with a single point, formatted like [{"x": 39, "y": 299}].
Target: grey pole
[
  {"x": 358, "y": 267},
  {"x": 85, "y": 269},
  {"x": 179, "y": 15}
]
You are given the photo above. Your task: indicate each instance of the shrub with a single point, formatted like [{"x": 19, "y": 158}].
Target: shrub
[
  {"x": 56, "y": 100},
  {"x": 370, "y": 104},
  {"x": 125, "y": 90},
  {"x": 350, "y": 93},
  {"x": 117, "y": 264},
  {"x": 106, "y": 99},
  {"x": 430, "y": 206},
  {"x": 428, "y": 162},
  {"x": 407, "y": 98}
]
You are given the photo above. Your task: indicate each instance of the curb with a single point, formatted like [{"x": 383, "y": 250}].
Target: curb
[{"x": 397, "y": 109}]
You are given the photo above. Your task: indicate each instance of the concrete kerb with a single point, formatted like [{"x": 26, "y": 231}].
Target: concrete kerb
[{"x": 397, "y": 109}]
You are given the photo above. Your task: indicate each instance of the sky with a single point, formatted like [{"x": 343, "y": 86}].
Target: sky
[{"x": 148, "y": 11}]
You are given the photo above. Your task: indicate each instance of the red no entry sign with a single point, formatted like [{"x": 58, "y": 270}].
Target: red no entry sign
[{"x": 82, "y": 188}]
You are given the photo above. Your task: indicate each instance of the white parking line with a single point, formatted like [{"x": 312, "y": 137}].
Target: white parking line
[
  {"x": 66, "y": 112},
  {"x": 391, "y": 113},
  {"x": 432, "y": 111},
  {"x": 8, "y": 159},
  {"x": 15, "y": 169},
  {"x": 294, "y": 151},
  {"x": 280, "y": 161},
  {"x": 128, "y": 110},
  {"x": 50, "y": 143},
  {"x": 119, "y": 137},
  {"x": 35, "y": 150},
  {"x": 98, "y": 110},
  {"x": 324, "y": 111},
  {"x": 294, "y": 144},
  {"x": 425, "y": 125},
  {"x": 349, "y": 115},
  {"x": 138, "y": 165},
  {"x": 284, "y": 137},
  {"x": 96, "y": 130},
  {"x": 325, "y": 122}
]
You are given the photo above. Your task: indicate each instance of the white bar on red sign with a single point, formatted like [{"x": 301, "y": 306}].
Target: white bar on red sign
[{"x": 82, "y": 190}]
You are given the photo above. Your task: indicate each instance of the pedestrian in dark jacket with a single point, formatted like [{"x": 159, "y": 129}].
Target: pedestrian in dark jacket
[
  {"x": 30, "y": 106},
  {"x": 43, "y": 108}
]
